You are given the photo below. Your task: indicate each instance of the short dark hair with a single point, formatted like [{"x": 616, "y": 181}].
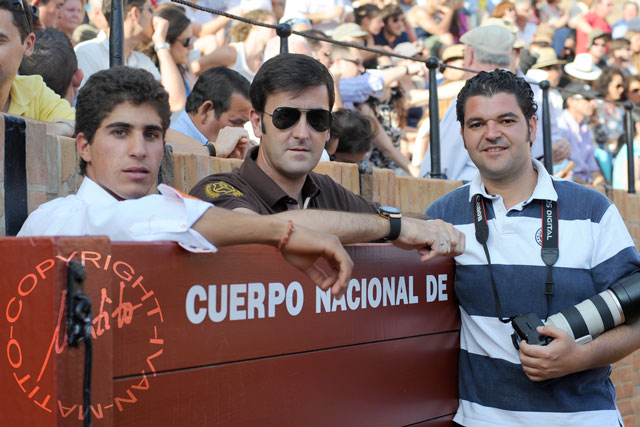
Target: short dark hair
[
  {"x": 53, "y": 58},
  {"x": 107, "y": 89},
  {"x": 21, "y": 14},
  {"x": 368, "y": 10},
  {"x": 354, "y": 131},
  {"x": 492, "y": 83},
  {"x": 314, "y": 44},
  {"x": 289, "y": 72},
  {"x": 126, "y": 6},
  {"x": 217, "y": 85}
]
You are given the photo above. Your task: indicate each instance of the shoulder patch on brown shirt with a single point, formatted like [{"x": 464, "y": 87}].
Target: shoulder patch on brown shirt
[{"x": 221, "y": 188}]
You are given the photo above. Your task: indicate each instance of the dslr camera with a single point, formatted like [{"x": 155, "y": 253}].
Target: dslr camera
[{"x": 588, "y": 319}]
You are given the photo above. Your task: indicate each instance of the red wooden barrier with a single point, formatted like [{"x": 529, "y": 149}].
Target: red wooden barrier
[{"x": 235, "y": 338}]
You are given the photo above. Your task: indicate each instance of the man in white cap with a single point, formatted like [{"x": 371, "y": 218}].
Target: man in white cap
[{"x": 487, "y": 48}]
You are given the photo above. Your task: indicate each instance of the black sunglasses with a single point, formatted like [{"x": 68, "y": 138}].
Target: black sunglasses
[
  {"x": 356, "y": 62},
  {"x": 24, "y": 11},
  {"x": 186, "y": 42},
  {"x": 285, "y": 117}
]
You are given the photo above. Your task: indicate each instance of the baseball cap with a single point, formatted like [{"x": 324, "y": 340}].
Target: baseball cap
[
  {"x": 579, "y": 90},
  {"x": 344, "y": 31},
  {"x": 492, "y": 39}
]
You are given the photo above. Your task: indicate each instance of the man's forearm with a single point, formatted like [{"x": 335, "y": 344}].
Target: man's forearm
[
  {"x": 348, "y": 227},
  {"x": 223, "y": 227}
]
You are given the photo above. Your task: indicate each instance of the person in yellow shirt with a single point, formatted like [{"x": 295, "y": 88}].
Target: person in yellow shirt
[{"x": 27, "y": 96}]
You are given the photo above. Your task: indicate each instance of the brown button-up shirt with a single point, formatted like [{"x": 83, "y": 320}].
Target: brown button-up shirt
[{"x": 249, "y": 187}]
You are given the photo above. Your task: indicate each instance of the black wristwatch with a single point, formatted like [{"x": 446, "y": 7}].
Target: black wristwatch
[{"x": 395, "y": 221}]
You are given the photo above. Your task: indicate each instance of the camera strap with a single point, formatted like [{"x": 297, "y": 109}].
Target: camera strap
[{"x": 549, "y": 243}]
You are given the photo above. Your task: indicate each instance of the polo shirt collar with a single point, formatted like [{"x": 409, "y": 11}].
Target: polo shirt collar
[
  {"x": 544, "y": 190},
  {"x": 266, "y": 188}
]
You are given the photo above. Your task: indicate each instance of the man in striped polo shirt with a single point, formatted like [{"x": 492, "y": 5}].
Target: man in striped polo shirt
[{"x": 501, "y": 274}]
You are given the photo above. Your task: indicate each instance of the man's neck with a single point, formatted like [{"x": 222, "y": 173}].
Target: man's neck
[
  {"x": 291, "y": 186},
  {"x": 516, "y": 190}
]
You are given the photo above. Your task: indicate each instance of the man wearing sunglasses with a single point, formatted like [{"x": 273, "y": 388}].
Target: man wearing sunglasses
[
  {"x": 291, "y": 97},
  {"x": 394, "y": 30},
  {"x": 27, "y": 96}
]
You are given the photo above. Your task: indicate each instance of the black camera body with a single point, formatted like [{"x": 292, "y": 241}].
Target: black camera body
[
  {"x": 525, "y": 330},
  {"x": 588, "y": 319}
]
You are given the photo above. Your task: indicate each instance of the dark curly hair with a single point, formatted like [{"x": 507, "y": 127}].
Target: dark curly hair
[
  {"x": 491, "y": 83},
  {"x": 107, "y": 89}
]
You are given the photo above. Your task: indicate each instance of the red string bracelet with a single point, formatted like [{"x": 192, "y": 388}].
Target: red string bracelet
[{"x": 285, "y": 239}]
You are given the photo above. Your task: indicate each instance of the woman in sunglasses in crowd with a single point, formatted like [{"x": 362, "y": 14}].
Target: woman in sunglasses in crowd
[
  {"x": 178, "y": 41},
  {"x": 610, "y": 116}
]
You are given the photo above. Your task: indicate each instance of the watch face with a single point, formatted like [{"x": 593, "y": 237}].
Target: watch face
[{"x": 390, "y": 210}]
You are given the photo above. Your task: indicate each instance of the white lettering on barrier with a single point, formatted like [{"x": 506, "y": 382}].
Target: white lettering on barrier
[
  {"x": 436, "y": 288},
  {"x": 374, "y": 292},
  {"x": 241, "y": 301}
]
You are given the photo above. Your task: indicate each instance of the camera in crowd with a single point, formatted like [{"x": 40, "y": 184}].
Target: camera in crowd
[{"x": 588, "y": 319}]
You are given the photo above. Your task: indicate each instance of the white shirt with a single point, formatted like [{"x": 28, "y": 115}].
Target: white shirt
[
  {"x": 455, "y": 162},
  {"x": 93, "y": 56},
  {"x": 306, "y": 7},
  {"x": 93, "y": 211}
]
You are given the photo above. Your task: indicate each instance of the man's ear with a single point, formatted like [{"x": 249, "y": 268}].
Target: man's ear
[
  {"x": 83, "y": 147},
  {"x": 28, "y": 44},
  {"x": 202, "y": 114},
  {"x": 533, "y": 128},
  {"x": 134, "y": 12},
  {"x": 256, "y": 122},
  {"x": 77, "y": 77}
]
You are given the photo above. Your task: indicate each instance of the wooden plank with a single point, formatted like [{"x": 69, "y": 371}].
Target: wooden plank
[{"x": 391, "y": 383}]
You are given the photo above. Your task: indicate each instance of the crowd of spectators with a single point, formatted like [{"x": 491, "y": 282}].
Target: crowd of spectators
[{"x": 591, "y": 48}]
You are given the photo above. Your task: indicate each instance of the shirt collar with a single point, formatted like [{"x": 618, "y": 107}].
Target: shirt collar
[
  {"x": 266, "y": 188},
  {"x": 193, "y": 130},
  {"x": 544, "y": 190},
  {"x": 93, "y": 194}
]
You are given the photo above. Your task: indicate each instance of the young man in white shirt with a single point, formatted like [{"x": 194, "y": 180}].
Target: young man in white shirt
[{"x": 123, "y": 114}]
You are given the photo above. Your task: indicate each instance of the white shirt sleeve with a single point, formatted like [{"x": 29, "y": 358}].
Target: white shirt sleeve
[{"x": 167, "y": 216}]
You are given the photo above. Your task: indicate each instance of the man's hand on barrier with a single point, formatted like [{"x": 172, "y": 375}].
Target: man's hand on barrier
[
  {"x": 305, "y": 247},
  {"x": 560, "y": 357},
  {"x": 430, "y": 238}
]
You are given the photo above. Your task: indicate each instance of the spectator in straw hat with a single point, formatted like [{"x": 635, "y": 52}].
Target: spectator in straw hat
[
  {"x": 583, "y": 68},
  {"x": 549, "y": 67}
]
